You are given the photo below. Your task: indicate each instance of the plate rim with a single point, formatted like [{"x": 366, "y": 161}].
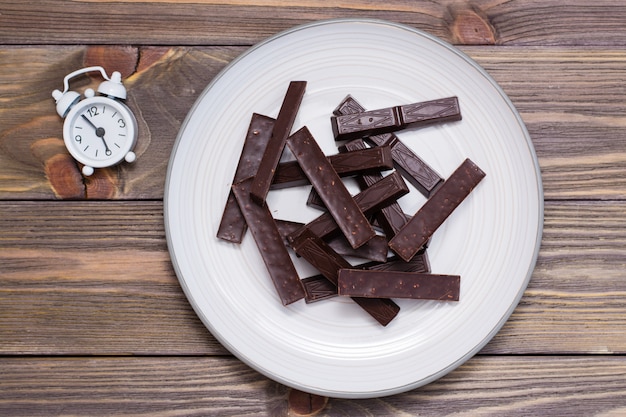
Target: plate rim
[{"x": 461, "y": 360}]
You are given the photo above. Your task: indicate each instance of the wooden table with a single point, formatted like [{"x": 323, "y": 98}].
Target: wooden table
[{"x": 92, "y": 317}]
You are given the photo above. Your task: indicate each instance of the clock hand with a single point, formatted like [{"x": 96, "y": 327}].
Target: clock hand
[
  {"x": 89, "y": 121},
  {"x": 100, "y": 133}
]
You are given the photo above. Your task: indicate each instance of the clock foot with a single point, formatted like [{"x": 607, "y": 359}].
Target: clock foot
[
  {"x": 87, "y": 170},
  {"x": 130, "y": 157}
]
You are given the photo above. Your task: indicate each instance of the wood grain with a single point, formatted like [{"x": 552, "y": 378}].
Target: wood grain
[
  {"x": 575, "y": 115},
  {"x": 206, "y": 22},
  {"x": 201, "y": 386},
  {"x": 82, "y": 277}
]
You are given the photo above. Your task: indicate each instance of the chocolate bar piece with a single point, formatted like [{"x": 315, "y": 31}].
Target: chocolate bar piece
[
  {"x": 289, "y": 174},
  {"x": 415, "y": 170},
  {"x": 392, "y": 119},
  {"x": 419, "y": 263},
  {"x": 318, "y": 288},
  {"x": 424, "y": 178},
  {"x": 375, "y": 249},
  {"x": 274, "y": 150},
  {"x": 340, "y": 204},
  {"x": 391, "y": 218},
  {"x": 314, "y": 200},
  {"x": 369, "y": 200},
  {"x": 233, "y": 226},
  {"x": 328, "y": 262},
  {"x": 408, "y": 241},
  {"x": 270, "y": 245},
  {"x": 396, "y": 284}
]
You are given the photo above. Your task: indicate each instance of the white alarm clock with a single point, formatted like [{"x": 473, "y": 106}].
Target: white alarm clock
[{"x": 99, "y": 131}]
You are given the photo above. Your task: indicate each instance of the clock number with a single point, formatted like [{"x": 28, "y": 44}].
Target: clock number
[
  {"x": 93, "y": 111},
  {"x": 121, "y": 123},
  {"x": 78, "y": 138}
]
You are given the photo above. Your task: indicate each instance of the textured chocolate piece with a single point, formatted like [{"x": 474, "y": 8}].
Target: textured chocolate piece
[
  {"x": 392, "y": 119},
  {"x": 408, "y": 241},
  {"x": 289, "y": 174},
  {"x": 328, "y": 262},
  {"x": 318, "y": 288},
  {"x": 320, "y": 255},
  {"x": 270, "y": 245},
  {"x": 376, "y": 249},
  {"x": 419, "y": 263},
  {"x": 340, "y": 204},
  {"x": 391, "y": 218},
  {"x": 424, "y": 178},
  {"x": 363, "y": 161},
  {"x": 287, "y": 227},
  {"x": 232, "y": 225},
  {"x": 397, "y": 284},
  {"x": 314, "y": 200},
  {"x": 348, "y": 105},
  {"x": 282, "y": 128},
  {"x": 369, "y": 200}
]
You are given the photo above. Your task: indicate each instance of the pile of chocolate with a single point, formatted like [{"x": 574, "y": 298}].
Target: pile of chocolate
[{"x": 367, "y": 225}]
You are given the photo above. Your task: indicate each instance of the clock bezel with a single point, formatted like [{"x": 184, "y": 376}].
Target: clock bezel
[{"x": 117, "y": 156}]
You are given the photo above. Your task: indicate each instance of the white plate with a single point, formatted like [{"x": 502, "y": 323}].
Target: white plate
[{"x": 333, "y": 348}]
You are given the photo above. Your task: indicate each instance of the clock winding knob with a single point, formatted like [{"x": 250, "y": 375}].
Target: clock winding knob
[
  {"x": 113, "y": 87},
  {"x": 65, "y": 101}
]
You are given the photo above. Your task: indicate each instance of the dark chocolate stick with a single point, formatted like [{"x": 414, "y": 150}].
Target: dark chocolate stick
[
  {"x": 282, "y": 128},
  {"x": 289, "y": 174},
  {"x": 375, "y": 249},
  {"x": 340, "y": 204},
  {"x": 391, "y": 218},
  {"x": 424, "y": 178},
  {"x": 314, "y": 200},
  {"x": 369, "y": 200},
  {"x": 392, "y": 119},
  {"x": 413, "y": 168},
  {"x": 233, "y": 226},
  {"x": 318, "y": 288},
  {"x": 408, "y": 241},
  {"x": 419, "y": 263},
  {"x": 396, "y": 284},
  {"x": 328, "y": 262},
  {"x": 270, "y": 245}
]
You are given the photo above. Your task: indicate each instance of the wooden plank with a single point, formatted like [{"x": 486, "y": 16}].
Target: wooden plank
[
  {"x": 58, "y": 296},
  {"x": 567, "y": 99},
  {"x": 87, "y": 276},
  {"x": 570, "y": 99},
  {"x": 205, "y": 22},
  {"x": 193, "y": 23},
  {"x": 580, "y": 270},
  {"x": 82, "y": 225},
  {"x": 149, "y": 386},
  {"x": 75, "y": 302}
]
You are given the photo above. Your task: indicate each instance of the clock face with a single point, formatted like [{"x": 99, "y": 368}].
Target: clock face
[{"x": 99, "y": 131}]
